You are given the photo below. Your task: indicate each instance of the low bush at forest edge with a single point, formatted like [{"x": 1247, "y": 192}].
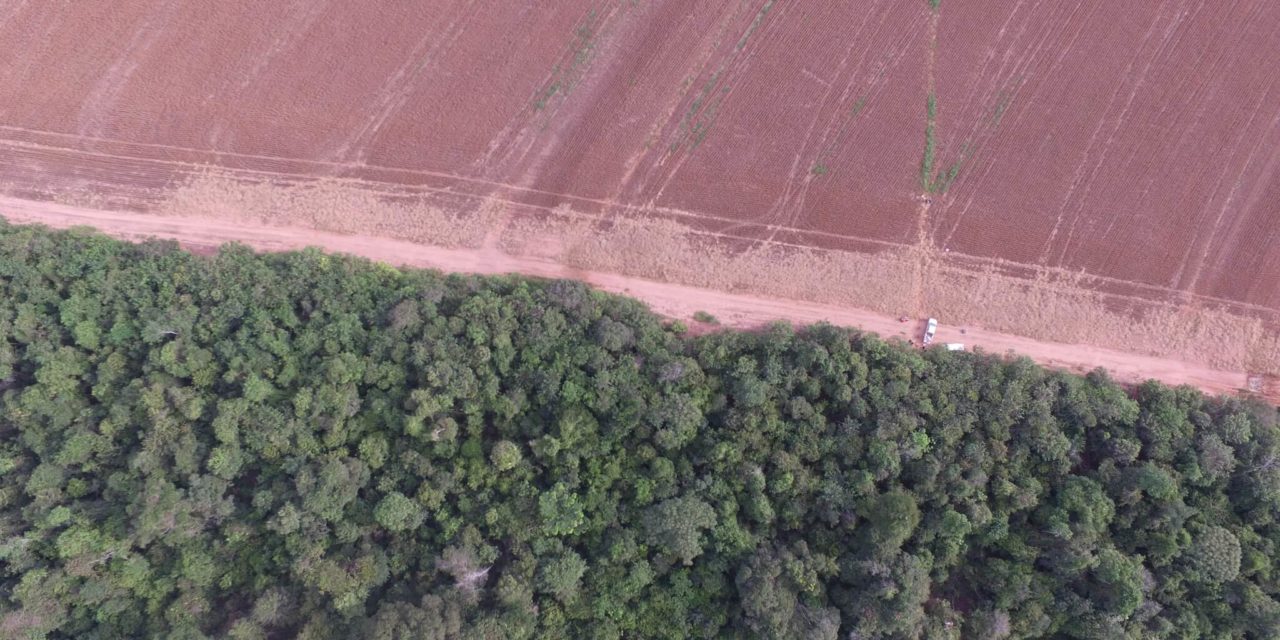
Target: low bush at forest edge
[{"x": 297, "y": 444}]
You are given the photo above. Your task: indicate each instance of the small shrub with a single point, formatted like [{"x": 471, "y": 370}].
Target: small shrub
[{"x": 705, "y": 318}]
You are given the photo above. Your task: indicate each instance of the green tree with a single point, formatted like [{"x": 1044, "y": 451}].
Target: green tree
[
  {"x": 1215, "y": 555},
  {"x": 675, "y": 526},
  {"x": 1118, "y": 577},
  {"x": 397, "y": 512},
  {"x": 561, "y": 511},
  {"x": 561, "y": 576},
  {"x": 892, "y": 517},
  {"x": 505, "y": 455}
]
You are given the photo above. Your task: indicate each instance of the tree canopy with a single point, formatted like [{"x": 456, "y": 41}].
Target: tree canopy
[{"x": 306, "y": 445}]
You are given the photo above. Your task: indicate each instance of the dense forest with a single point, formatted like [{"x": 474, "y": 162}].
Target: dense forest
[{"x": 303, "y": 445}]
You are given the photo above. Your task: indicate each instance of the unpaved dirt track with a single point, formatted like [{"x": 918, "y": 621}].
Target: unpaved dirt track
[{"x": 671, "y": 300}]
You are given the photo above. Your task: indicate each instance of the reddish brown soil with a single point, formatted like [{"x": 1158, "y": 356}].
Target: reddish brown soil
[
  {"x": 718, "y": 110},
  {"x": 1141, "y": 143},
  {"x": 1137, "y": 144}
]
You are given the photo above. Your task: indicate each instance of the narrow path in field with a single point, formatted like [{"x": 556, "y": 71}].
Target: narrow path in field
[
  {"x": 670, "y": 300},
  {"x": 923, "y": 244}
]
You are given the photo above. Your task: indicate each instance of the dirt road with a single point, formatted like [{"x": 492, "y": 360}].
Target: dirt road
[{"x": 671, "y": 300}]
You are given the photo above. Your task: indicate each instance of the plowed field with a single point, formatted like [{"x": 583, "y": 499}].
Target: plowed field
[{"x": 1079, "y": 170}]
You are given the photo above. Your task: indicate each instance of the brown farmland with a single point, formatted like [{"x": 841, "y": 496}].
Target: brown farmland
[{"x": 1079, "y": 171}]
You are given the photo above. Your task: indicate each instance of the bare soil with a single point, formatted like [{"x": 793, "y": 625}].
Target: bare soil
[
  {"x": 1140, "y": 146},
  {"x": 1136, "y": 143}
]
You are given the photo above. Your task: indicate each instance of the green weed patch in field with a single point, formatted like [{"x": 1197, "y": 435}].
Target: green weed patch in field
[
  {"x": 858, "y": 106},
  {"x": 565, "y": 74},
  {"x": 944, "y": 179},
  {"x": 701, "y": 114},
  {"x": 930, "y": 144},
  {"x": 755, "y": 24}
]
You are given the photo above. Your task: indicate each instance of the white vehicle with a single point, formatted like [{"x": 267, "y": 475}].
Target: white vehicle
[
  {"x": 955, "y": 346},
  {"x": 930, "y": 328}
]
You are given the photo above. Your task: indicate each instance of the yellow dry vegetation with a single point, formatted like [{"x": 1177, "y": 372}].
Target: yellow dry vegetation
[{"x": 1046, "y": 304}]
